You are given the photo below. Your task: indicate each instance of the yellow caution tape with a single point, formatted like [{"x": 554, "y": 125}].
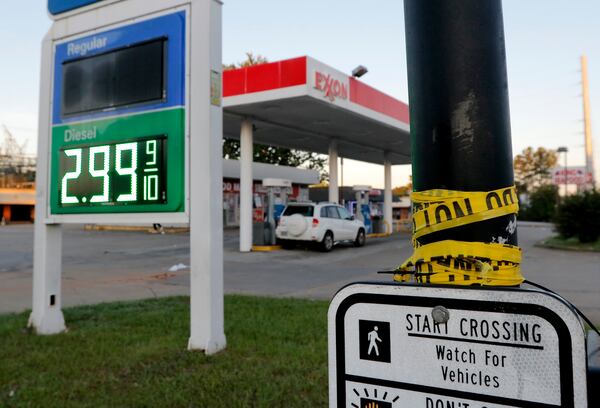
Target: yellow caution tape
[
  {"x": 463, "y": 263},
  {"x": 436, "y": 210},
  {"x": 457, "y": 262}
]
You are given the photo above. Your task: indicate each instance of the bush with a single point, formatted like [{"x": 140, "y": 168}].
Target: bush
[
  {"x": 541, "y": 205},
  {"x": 579, "y": 216}
]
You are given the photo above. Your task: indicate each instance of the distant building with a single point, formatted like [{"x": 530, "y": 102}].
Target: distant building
[
  {"x": 401, "y": 209},
  {"x": 17, "y": 205}
]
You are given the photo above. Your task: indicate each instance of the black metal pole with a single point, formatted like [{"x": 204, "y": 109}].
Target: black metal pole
[{"x": 459, "y": 114}]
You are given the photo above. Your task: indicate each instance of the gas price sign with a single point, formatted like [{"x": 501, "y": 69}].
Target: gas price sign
[
  {"x": 114, "y": 174},
  {"x": 119, "y": 119}
]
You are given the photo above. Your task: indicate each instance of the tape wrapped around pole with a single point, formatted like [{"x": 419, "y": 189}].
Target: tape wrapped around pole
[{"x": 461, "y": 140}]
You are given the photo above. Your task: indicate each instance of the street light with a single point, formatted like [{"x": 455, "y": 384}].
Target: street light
[
  {"x": 342, "y": 184},
  {"x": 359, "y": 71},
  {"x": 565, "y": 150}
]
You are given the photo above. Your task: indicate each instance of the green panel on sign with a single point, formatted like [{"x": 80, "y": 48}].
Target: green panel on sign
[{"x": 132, "y": 164}]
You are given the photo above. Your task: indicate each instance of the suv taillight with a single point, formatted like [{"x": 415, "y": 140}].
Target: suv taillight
[{"x": 315, "y": 223}]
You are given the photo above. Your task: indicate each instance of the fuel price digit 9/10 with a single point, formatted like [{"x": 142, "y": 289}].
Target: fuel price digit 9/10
[{"x": 113, "y": 174}]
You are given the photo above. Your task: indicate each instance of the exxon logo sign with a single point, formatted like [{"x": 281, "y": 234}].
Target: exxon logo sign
[
  {"x": 332, "y": 88},
  {"x": 62, "y": 6}
]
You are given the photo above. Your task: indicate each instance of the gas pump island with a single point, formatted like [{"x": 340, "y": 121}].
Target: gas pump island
[{"x": 126, "y": 102}]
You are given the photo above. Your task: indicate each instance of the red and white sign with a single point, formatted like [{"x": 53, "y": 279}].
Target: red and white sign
[
  {"x": 233, "y": 186},
  {"x": 332, "y": 87},
  {"x": 574, "y": 175}
]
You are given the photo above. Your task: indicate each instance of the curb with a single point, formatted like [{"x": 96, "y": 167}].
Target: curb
[
  {"x": 379, "y": 235},
  {"x": 134, "y": 228},
  {"x": 542, "y": 244},
  {"x": 534, "y": 224},
  {"x": 265, "y": 248}
]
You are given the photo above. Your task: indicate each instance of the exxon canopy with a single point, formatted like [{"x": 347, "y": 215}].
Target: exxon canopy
[{"x": 303, "y": 104}]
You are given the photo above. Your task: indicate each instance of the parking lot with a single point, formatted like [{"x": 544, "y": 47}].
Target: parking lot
[{"x": 101, "y": 266}]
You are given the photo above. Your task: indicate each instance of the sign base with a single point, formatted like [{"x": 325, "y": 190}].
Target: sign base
[{"x": 51, "y": 322}]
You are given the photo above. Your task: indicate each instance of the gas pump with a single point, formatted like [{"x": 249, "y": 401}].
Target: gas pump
[
  {"x": 277, "y": 194},
  {"x": 362, "y": 208}
]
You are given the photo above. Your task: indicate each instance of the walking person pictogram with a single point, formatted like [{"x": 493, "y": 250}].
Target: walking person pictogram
[{"x": 373, "y": 338}]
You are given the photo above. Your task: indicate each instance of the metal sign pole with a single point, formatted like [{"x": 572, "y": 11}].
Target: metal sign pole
[{"x": 458, "y": 91}]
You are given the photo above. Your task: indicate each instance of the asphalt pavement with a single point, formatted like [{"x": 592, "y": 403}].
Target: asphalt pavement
[{"x": 103, "y": 266}]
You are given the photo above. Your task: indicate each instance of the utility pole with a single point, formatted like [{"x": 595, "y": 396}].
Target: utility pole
[
  {"x": 587, "y": 123},
  {"x": 458, "y": 91}
]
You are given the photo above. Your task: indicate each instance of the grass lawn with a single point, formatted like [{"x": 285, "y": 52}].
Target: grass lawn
[
  {"x": 571, "y": 243},
  {"x": 134, "y": 354}
]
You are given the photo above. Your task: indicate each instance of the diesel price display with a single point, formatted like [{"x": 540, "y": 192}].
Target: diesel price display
[{"x": 113, "y": 174}]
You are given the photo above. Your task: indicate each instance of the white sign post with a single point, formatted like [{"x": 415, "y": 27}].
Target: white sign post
[{"x": 437, "y": 347}]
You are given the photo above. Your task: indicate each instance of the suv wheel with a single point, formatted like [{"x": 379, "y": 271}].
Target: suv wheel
[
  {"x": 286, "y": 244},
  {"x": 327, "y": 243},
  {"x": 360, "y": 238}
]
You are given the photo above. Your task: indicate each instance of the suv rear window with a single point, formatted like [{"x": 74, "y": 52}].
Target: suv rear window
[
  {"x": 305, "y": 210},
  {"x": 329, "y": 212}
]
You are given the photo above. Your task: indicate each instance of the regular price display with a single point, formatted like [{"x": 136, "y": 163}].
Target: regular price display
[{"x": 114, "y": 174}]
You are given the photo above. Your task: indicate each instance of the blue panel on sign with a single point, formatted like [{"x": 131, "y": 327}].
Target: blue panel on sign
[
  {"x": 62, "y": 6},
  {"x": 170, "y": 28}
]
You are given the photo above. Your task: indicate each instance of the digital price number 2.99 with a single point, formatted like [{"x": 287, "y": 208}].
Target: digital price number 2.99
[{"x": 113, "y": 174}]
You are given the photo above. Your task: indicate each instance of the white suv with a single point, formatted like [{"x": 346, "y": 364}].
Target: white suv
[{"x": 323, "y": 223}]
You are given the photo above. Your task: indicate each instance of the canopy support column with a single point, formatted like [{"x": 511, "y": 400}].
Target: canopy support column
[
  {"x": 387, "y": 195},
  {"x": 246, "y": 184},
  {"x": 334, "y": 192}
]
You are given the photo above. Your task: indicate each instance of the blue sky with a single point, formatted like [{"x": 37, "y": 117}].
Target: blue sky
[{"x": 544, "y": 41}]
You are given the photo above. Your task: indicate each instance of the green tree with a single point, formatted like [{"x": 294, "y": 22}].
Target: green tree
[
  {"x": 273, "y": 154},
  {"x": 280, "y": 156},
  {"x": 532, "y": 168},
  {"x": 248, "y": 62},
  {"x": 404, "y": 190},
  {"x": 579, "y": 216},
  {"x": 542, "y": 204}
]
